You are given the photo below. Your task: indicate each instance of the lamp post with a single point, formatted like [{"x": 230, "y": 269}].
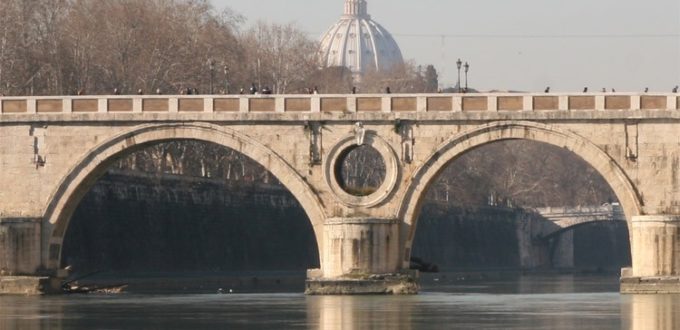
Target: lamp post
[
  {"x": 211, "y": 65},
  {"x": 226, "y": 79},
  {"x": 459, "y": 63},
  {"x": 467, "y": 68}
]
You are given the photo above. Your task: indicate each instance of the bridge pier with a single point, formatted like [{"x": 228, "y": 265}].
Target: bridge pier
[
  {"x": 655, "y": 245},
  {"x": 21, "y": 269},
  {"x": 20, "y": 246},
  {"x": 361, "y": 256}
]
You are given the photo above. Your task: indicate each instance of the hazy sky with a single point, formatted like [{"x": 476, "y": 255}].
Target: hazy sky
[{"x": 515, "y": 44}]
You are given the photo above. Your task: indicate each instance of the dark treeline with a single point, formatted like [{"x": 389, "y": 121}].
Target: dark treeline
[
  {"x": 510, "y": 173},
  {"x": 519, "y": 173},
  {"x": 62, "y": 47}
]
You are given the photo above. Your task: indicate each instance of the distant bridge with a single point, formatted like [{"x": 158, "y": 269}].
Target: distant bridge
[{"x": 569, "y": 218}]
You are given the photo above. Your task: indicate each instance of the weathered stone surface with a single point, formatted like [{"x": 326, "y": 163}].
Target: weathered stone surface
[
  {"x": 395, "y": 284},
  {"x": 25, "y": 285},
  {"x": 650, "y": 285},
  {"x": 20, "y": 246}
]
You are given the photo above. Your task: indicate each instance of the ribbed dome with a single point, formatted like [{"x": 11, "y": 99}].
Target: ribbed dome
[{"x": 359, "y": 43}]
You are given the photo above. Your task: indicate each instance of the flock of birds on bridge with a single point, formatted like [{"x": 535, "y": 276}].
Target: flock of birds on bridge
[
  {"x": 254, "y": 90},
  {"x": 604, "y": 90}
]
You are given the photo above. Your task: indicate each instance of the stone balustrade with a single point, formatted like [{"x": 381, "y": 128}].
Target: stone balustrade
[{"x": 363, "y": 103}]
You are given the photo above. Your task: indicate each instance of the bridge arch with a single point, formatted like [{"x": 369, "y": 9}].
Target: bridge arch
[
  {"x": 87, "y": 170},
  {"x": 466, "y": 141}
]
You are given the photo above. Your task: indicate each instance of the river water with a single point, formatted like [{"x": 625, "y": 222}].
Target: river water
[{"x": 447, "y": 301}]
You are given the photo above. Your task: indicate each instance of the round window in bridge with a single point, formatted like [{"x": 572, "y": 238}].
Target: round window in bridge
[{"x": 360, "y": 170}]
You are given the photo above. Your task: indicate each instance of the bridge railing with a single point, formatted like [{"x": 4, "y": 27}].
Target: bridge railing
[{"x": 387, "y": 103}]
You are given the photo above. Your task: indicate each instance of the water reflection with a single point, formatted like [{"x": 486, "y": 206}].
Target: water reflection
[
  {"x": 31, "y": 313},
  {"x": 345, "y": 312},
  {"x": 643, "y": 312},
  {"x": 525, "y": 303}
]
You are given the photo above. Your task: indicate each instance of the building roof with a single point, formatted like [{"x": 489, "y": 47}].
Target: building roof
[{"x": 358, "y": 42}]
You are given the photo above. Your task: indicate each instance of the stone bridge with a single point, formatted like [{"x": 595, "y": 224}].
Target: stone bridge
[
  {"x": 569, "y": 218},
  {"x": 53, "y": 149},
  {"x": 556, "y": 234}
]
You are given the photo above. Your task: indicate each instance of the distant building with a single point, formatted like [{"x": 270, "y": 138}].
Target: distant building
[{"x": 359, "y": 43}]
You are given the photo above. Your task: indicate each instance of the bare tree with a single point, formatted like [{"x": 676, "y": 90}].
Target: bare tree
[{"x": 279, "y": 56}]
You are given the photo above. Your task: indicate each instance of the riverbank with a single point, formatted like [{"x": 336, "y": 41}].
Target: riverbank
[{"x": 202, "y": 282}]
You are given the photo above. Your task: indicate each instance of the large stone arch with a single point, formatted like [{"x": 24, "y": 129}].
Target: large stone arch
[
  {"x": 85, "y": 172},
  {"x": 461, "y": 143}
]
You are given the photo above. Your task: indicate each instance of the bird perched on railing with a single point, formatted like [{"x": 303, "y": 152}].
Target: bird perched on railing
[
  {"x": 547, "y": 89},
  {"x": 646, "y": 89},
  {"x": 675, "y": 89},
  {"x": 585, "y": 89}
]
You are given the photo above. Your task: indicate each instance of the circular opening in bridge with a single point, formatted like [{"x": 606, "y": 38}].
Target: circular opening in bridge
[{"x": 360, "y": 170}]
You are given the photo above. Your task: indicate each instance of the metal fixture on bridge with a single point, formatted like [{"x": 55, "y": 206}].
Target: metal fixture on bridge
[
  {"x": 459, "y": 64},
  {"x": 467, "y": 68}
]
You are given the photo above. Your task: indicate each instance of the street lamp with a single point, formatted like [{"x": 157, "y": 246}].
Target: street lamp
[
  {"x": 226, "y": 79},
  {"x": 459, "y": 63},
  {"x": 467, "y": 68},
  {"x": 211, "y": 65}
]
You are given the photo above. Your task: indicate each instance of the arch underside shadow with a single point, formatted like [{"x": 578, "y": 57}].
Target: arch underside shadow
[
  {"x": 464, "y": 142},
  {"x": 80, "y": 179}
]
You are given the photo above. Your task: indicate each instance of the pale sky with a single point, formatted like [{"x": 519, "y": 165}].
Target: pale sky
[{"x": 515, "y": 44}]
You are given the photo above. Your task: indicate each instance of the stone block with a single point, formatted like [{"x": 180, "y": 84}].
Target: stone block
[
  {"x": 333, "y": 104},
  {"x": 648, "y": 102},
  {"x": 582, "y": 102},
  {"x": 617, "y": 102},
  {"x": 54, "y": 105},
  {"x": 262, "y": 105},
  {"x": 14, "y": 106},
  {"x": 369, "y": 104},
  {"x": 404, "y": 104},
  {"x": 85, "y": 105},
  {"x": 192, "y": 105},
  {"x": 120, "y": 105},
  {"x": 227, "y": 105},
  {"x": 510, "y": 103},
  {"x": 298, "y": 104},
  {"x": 439, "y": 104},
  {"x": 546, "y": 103},
  {"x": 475, "y": 103},
  {"x": 155, "y": 105}
]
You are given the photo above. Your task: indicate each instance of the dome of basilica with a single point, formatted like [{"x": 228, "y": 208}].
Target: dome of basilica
[{"x": 358, "y": 42}]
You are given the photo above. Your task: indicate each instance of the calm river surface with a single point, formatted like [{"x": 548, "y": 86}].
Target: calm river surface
[{"x": 447, "y": 301}]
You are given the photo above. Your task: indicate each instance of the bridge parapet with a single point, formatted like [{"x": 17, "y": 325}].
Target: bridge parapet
[{"x": 355, "y": 103}]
